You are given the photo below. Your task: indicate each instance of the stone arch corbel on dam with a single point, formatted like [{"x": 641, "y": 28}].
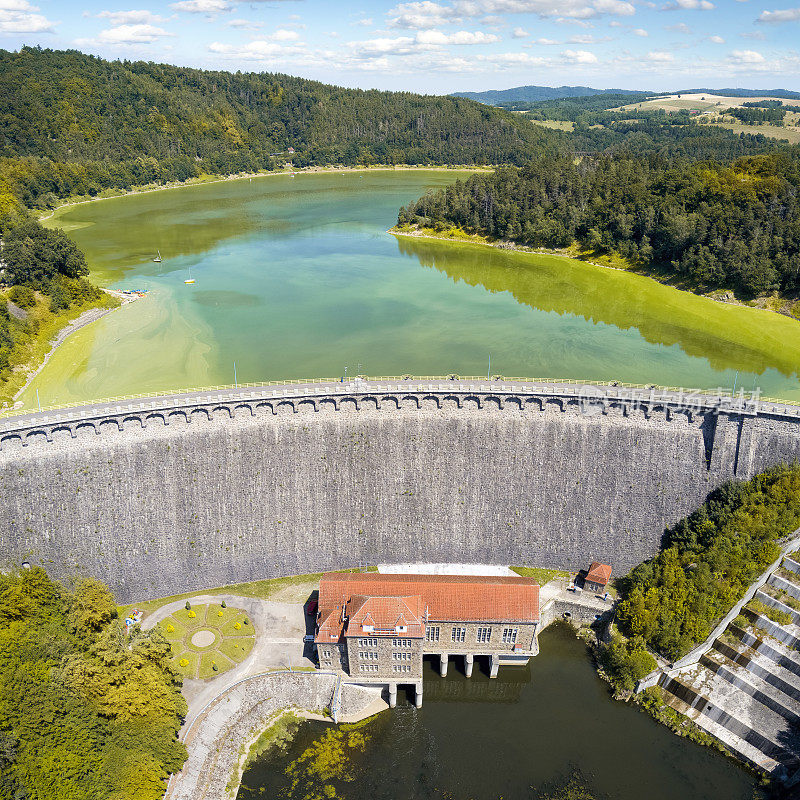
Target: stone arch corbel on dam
[{"x": 168, "y": 494}]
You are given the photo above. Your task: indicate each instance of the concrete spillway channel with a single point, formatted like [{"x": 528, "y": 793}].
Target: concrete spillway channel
[{"x": 745, "y": 691}]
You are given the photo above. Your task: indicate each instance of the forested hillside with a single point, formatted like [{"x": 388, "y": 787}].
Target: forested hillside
[
  {"x": 531, "y": 94},
  {"x": 87, "y": 711},
  {"x": 74, "y": 124},
  {"x": 731, "y": 225}
]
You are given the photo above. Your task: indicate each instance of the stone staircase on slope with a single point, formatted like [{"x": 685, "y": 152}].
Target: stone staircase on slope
[{"x": 745, "y": 690}]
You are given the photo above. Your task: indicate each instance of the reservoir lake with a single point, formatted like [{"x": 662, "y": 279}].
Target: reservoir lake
[{"x": 297, "y": 277}]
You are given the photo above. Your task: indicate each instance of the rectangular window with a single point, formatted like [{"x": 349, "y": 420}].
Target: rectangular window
[
  {"x": 509, "y": 635},
  {"x": 432, "y": 633},
  {"x": 459, "y": 634},
  {"x": 484, "y": 635}
]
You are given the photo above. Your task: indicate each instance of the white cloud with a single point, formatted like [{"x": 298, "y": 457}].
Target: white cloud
[
  {"x": 366, "y": 22},
  {"x": 681, "y": 27},
  {"x": 461, "y": 37},
  {"x": 716, "y": 39},
  {"x": 547, "y": 41},
  {"x": 579, "y": 57},
  {"x": 18, "y": 16},
  {"x": 747, "y": 57},
  {"x": 282, "y": 35},
  {"x": 614, "y": 7},
  {"x": 130, "y": 17},
  {"x": 419, "y": 15},
  {"x": 780, "y": 16},
  {"x": 245, "y": 24},
  {"x": 640, "y": 32},
  {"x": 132, "y": 34},
  {"x": 758, "y": 35},
  {"x": 660, "y": 56},
  {"x": 201, "y": 6},
  {"x": 259, "y": 50},
  {"x": 427, "y": 14},
  {"x": 688, "y": 5},
  {"x": 399, "y": 46},
  {"x": 586, "y": 38},
  {"x": 519, "y": 33}
]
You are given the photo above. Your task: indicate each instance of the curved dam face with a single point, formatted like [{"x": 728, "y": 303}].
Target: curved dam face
[{"x": 158, "y": 497}]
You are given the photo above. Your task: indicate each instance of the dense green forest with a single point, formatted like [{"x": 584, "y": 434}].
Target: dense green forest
[
  {"x": 717, "y": 225},
  {"x": 74, "y": 124},
  {"x": 673, "y": 601},
  {"x": 86, "y": 710}
]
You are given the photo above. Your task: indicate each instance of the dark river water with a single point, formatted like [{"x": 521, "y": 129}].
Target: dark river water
[{"x": 547, "y": 731}]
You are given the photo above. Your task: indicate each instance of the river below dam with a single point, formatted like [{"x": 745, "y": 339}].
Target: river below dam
[
  {"x": 549, "y": 730},
  {"x": 297, "y": 277}
]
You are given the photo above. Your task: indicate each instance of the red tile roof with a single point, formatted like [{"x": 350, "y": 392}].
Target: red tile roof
[
  {"x": 598, "y": 573},
  {"x": 444, "y": 598},
  {"x": 382, "y": 615}
]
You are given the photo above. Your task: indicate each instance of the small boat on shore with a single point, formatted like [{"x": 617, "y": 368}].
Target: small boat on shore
[{"x": 157, "y": 259}]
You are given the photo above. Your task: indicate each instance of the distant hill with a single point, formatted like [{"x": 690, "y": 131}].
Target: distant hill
[
  {"x": 531, "y": 94},
  {"x": 786, "y": 94}
]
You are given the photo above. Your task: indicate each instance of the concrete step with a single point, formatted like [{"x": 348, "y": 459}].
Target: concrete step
[
  {"x": 738, "y": 712},
  {"x": 738, "y": 746},
  {"x": 761, "y": 665},
  {"x": 773, "y": 602},
  {"x": 787, "y": 634},
  {"x": 776, "y": 651},
  {"x": 792, "y": 565},
  {"x": 785, "y": 585},
  {"x": 758, "y": 688}
]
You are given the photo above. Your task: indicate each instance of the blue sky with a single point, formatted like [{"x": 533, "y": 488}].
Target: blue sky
[{"x": 437, "y": 46}]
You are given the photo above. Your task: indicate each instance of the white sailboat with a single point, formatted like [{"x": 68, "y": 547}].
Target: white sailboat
[
  {"x": 190, "y": 279},
  {"x": 157, "y": 259}
]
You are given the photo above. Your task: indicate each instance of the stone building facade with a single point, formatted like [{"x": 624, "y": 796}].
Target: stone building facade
[{"x": 377, "y": 628}]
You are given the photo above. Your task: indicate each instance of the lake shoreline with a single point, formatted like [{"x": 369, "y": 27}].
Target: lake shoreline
[
  {"x": 313, "y": 170},
  {"x": 85, "y": 318},
  {"x": 726, "y": 297}
]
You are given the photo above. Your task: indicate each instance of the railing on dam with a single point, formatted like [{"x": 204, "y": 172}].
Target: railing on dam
[{"x": 336, "y": 385}]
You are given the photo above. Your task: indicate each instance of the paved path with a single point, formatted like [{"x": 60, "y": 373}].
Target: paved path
[{"x": 279, "y": 629}]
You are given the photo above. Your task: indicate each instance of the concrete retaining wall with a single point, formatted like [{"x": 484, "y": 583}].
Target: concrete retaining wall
[{"x": 185, "y": 494}]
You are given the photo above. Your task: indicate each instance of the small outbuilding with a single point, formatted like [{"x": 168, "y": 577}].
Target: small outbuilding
[{"x": 597, "y": 577}]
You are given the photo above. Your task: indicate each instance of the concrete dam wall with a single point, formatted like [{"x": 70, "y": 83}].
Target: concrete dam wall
[{"x": 158, "y": 497}]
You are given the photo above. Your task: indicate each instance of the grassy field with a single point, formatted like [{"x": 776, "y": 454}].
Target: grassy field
[
  {"x": 792, "y": 135},
  {"x": 540, "y": 575},
  {"x": 698, "y": 102},
  {"x": 233, "y": 639},
  {"x": 555, "y": 124}
]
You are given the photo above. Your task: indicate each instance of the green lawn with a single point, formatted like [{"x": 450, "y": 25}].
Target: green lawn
[
  {"x": 540, "y": 575},
  {"x": 233, "y": 633}
]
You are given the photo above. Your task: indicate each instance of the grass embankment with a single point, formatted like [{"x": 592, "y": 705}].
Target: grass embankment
[
  {"x": 786, "y": 305},
  {"x": 294, "y": 589},
  {"x": 540, "y": 575},
  {"x": 34, "y": 335},
  {"x": 230, "y": 639}
]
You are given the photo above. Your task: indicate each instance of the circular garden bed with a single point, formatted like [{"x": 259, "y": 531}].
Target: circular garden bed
[{"x": 208, "y": 639}]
